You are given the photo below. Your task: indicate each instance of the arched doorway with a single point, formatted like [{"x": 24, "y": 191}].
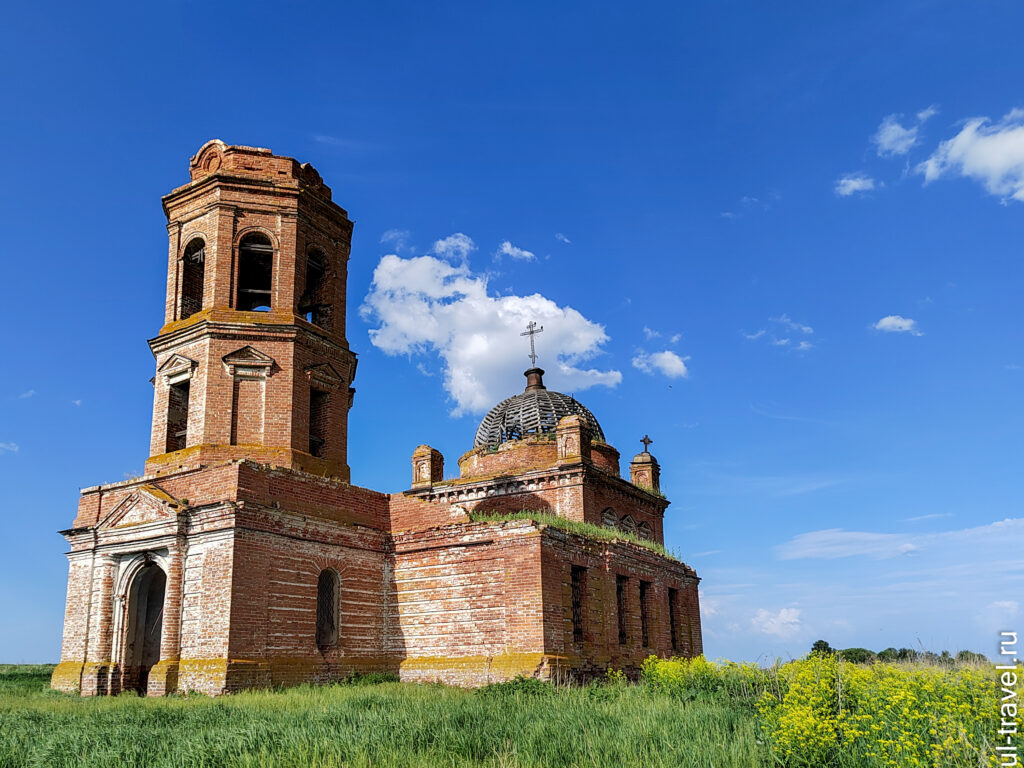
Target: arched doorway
[{"x": 145, "y": 627}]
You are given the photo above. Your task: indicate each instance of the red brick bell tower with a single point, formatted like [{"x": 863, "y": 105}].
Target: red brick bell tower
[{"x": 252, "y": 360}]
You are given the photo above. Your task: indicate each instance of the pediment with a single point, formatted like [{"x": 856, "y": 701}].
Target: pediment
[
  {"x": 324, "y": 376},
  {"x": 148, "y": 504},
  {"x": 177, "y": 368},
  {"x": 248, "y": 362}
]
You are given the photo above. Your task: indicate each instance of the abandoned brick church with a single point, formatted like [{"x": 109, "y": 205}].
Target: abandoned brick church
[{"x": 244, "y": 557}]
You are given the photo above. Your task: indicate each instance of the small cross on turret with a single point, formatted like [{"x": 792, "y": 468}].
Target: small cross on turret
[
  {"x": 531, "y": 330},
  {"x": 646, "y": 441}
]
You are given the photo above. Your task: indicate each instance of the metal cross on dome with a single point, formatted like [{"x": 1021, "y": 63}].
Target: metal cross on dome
[
  {"x": 646, "y": 441},
  {"x": 531, "y": 330}
]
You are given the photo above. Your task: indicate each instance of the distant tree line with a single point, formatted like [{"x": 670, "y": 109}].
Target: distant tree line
[{"x": 865, "y": 656}]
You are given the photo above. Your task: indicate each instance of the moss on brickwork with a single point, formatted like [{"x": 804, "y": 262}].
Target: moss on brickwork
[{"x": 67, "y": 676}]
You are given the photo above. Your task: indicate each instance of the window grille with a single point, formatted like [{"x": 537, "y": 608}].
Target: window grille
[
  {"x": 327, "y": 608},
  {"x": 673, "y": 599},
  {"x": 620, "y": 604},
  {"x": 579, "y": 575},
  {"x": 645, "y": 588}
]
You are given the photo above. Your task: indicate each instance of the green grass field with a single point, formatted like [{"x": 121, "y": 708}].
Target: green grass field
[
  {"x": 816, "y": 712},
  {"x": 388, "y": 724}
]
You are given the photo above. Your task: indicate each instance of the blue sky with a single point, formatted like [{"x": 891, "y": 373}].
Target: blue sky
[{"x": 784, "y": 240}]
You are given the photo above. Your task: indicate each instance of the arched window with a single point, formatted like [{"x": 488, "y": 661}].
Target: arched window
[
  {"x": 193, "y": 274},
  {"x": 313, "y": 304},
  {"x": 255, "y": 273},
  {"x": 628, "y": 524},
  {"x": 609, "y": 519},
  {"x": 327, "y": 608},
  {"x": 645, "y": 531}
]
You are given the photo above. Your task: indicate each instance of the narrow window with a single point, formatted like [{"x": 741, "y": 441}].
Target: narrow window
[
  {"x": 317, "y": 421},
  {"x": 645, "y": 531},
  {"x": 628, "y": 524},
  {"x": 609, "y": 519},
  {"x": 673, "y": 599},
  {"x": 313, "y": 304},
  {"x": 327, "y": 608},
  {"x": 579, "y": 585},
  {"x": 620, "y": 605},
  {"x": 255, "y": 273},
  {"x": 193, "y": 273},
  {"x": 645, "y": 589},
  {"x": 177, "y": 416}
]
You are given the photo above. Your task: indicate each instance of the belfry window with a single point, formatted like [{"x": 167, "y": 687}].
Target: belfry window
[
  {"x": 609, "y": 519},
  {"x": 193, "y": 274},
  {"x": 255, "y": 273},
  {"x": 327, "y": 608},
  {"x": 318, "y": 416},
  {"x": 313, "y": 303},
  {"x": 177, "y": 416}
]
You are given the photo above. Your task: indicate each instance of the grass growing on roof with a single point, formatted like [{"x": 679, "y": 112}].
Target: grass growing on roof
[{"x": 572, "y": 526}]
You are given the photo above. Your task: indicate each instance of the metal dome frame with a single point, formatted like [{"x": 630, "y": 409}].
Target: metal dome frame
[{"x": 532, "y": 413}]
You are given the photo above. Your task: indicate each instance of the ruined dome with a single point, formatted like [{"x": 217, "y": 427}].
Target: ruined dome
[{"x": 534, "y": 412}]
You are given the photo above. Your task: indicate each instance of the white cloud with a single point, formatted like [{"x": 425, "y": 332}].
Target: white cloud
[
  {"x": 674, "y": 338},
  {"x": 891, "y": 138},
  {"x": 853, "y": 183},
  {"x": 507, "y": 249},
  {"x": 927, "y": 113},
  {"x": 667, "y": 363},
  {"x": 562, "y": 238},
  {"x": 650, "y": 333},
  {"x": 1005, "y": 535},
  {"x": 8, "y": 447},
  {"x": 835, "y": 542},
  {"x": 897, "y": 324},
  {"x": 785, "y": 623},
  {"x": 76, "y": 402},
  {"x": 990, "y": 153},
  {"x": 785, "y": 320},
  {"x": 397, "y": 238},
  {"x": 708, "y": 606},
  {"x": 1012, "y": 607},
  {"x": 26, "y": 395},
  {"x": 934, "y": 516},
  {"x": 790, "y": 325},
  {"x": 456, "y": 247},
  {"x": 424, "y": 305}
]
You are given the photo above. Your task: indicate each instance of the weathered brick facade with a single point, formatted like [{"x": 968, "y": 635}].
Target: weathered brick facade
[{"x": 244, "y": 557}]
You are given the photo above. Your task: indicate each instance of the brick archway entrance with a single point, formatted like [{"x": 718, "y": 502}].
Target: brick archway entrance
[{"x": 145, "y": 627}]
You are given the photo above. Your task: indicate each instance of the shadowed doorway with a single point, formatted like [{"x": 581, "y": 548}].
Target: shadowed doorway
[{"x": 145, "y": 625}]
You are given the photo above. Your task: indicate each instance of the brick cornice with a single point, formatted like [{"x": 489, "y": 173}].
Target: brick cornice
[{"x": 296, "y": 329}]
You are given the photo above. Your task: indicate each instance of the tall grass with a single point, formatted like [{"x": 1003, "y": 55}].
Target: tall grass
[
  {"x": 820, "y": 711},
  {"x": 390, "y": 724}
]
